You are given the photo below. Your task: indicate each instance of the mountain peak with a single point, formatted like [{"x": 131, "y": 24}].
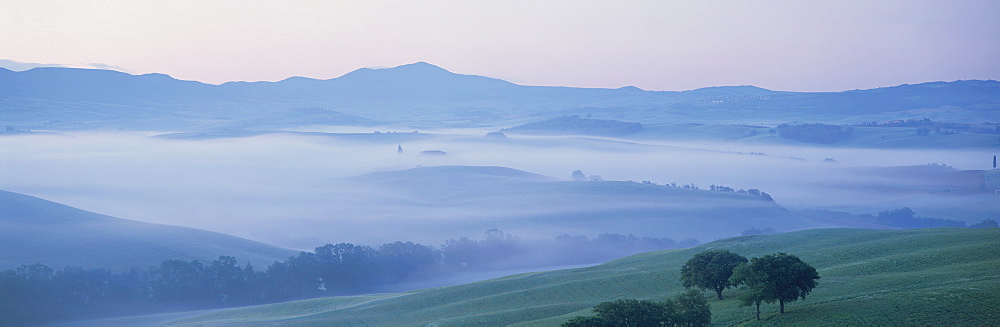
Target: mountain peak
[
  {"x": 417, "y": 68},
  {"x": 630, "y": 88},
  {"x": 420, "y": 65},
  {"x": 404, "y": 71}
]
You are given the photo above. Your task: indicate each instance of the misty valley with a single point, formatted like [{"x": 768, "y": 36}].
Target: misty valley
[{"x": 416, "y": 196}]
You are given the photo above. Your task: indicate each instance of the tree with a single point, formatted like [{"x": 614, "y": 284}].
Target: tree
[
  {"x": 633, "y": 312},
  {"x": 744, "y": 274},
  {"x": 711, "y": 270},
  {"x": 400, "y": 260},
  {"x": 986, "y": 223},
  {"x": 775, "y": 277},
  {"x": 687, "y": 309},
  {"x": 588, "y": 321},
  {"x": 691, "y": 309}
]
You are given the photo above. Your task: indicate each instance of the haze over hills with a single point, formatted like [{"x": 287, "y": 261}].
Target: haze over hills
[
  {"x": 304, "y": 162},
  {"x": 39, "y": 231},
  {"x": 464, "y": 200},
  {"x": 425, "y": 95},
  {"x": 912, "y": 277}
]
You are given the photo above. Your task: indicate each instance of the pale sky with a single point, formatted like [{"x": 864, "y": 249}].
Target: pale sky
[{"x": 790, "y": 45}]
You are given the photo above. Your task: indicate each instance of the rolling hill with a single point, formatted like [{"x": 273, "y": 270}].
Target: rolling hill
[
  {"x": 422, "y": 94},
  {"x": 39, "y": 231},
  {"x": 944, "y": 276},
  {"x": 467, "y": 200}
]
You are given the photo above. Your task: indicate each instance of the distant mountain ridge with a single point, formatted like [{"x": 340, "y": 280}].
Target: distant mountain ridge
[
  {"x": 70, "y": 98},
  {"x": 34, "y": 230}
]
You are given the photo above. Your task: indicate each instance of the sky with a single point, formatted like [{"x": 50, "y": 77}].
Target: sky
[{"x": 655, "y": 45}]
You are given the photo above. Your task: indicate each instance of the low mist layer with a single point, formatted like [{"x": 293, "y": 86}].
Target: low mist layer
[{"x": 306, "y": 189}]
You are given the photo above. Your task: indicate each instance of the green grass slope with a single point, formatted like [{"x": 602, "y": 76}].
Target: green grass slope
[
  {"x": 34, "y": 230},
  {"x": 869, "y": 277}
]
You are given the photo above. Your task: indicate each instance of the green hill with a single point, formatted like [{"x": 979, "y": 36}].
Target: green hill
[
  {"x": 34, "y": 230},
  {"x": 945, "y": 276}
]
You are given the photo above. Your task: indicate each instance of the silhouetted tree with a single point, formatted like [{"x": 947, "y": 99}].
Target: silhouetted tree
[{"x": 711, "y": 270}]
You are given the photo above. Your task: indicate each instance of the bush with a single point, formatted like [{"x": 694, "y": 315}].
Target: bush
[{"x": 687, "y": 309}]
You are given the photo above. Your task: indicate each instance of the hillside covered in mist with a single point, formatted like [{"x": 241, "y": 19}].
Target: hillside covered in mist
[{"x": 39, "y": 231}]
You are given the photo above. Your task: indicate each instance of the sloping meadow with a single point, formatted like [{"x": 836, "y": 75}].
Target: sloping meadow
[{"x": 945, "y": 276}]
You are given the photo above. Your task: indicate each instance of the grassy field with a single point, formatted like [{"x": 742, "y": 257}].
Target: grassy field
[{"x": 945, "y": 276}]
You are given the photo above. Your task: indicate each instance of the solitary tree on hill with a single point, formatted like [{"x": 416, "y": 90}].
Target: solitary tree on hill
[
  {"x": 775, "y": 277},
  {"x": 711, "y": 270}
]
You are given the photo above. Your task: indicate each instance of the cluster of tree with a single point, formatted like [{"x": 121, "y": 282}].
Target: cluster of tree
[
  {"x": 900, "y": 123},
  {"x": 687, "y": 309},
  {"x": 986, "y": 223},
  {"x": 902, "y": 218},
  {"x": 753, "y": 191},
  {"x": 926, "y": 126},
  {"x": 37, "y": 293},
  {"x": 772, "y": 278},
  {"x": 815, "y": 133},
  {"x": 574, "y": 124},
  {"x": 906, "y": 218},
  {"x": 711, "y": 270},
  {"x": 579, "y": 176}
]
